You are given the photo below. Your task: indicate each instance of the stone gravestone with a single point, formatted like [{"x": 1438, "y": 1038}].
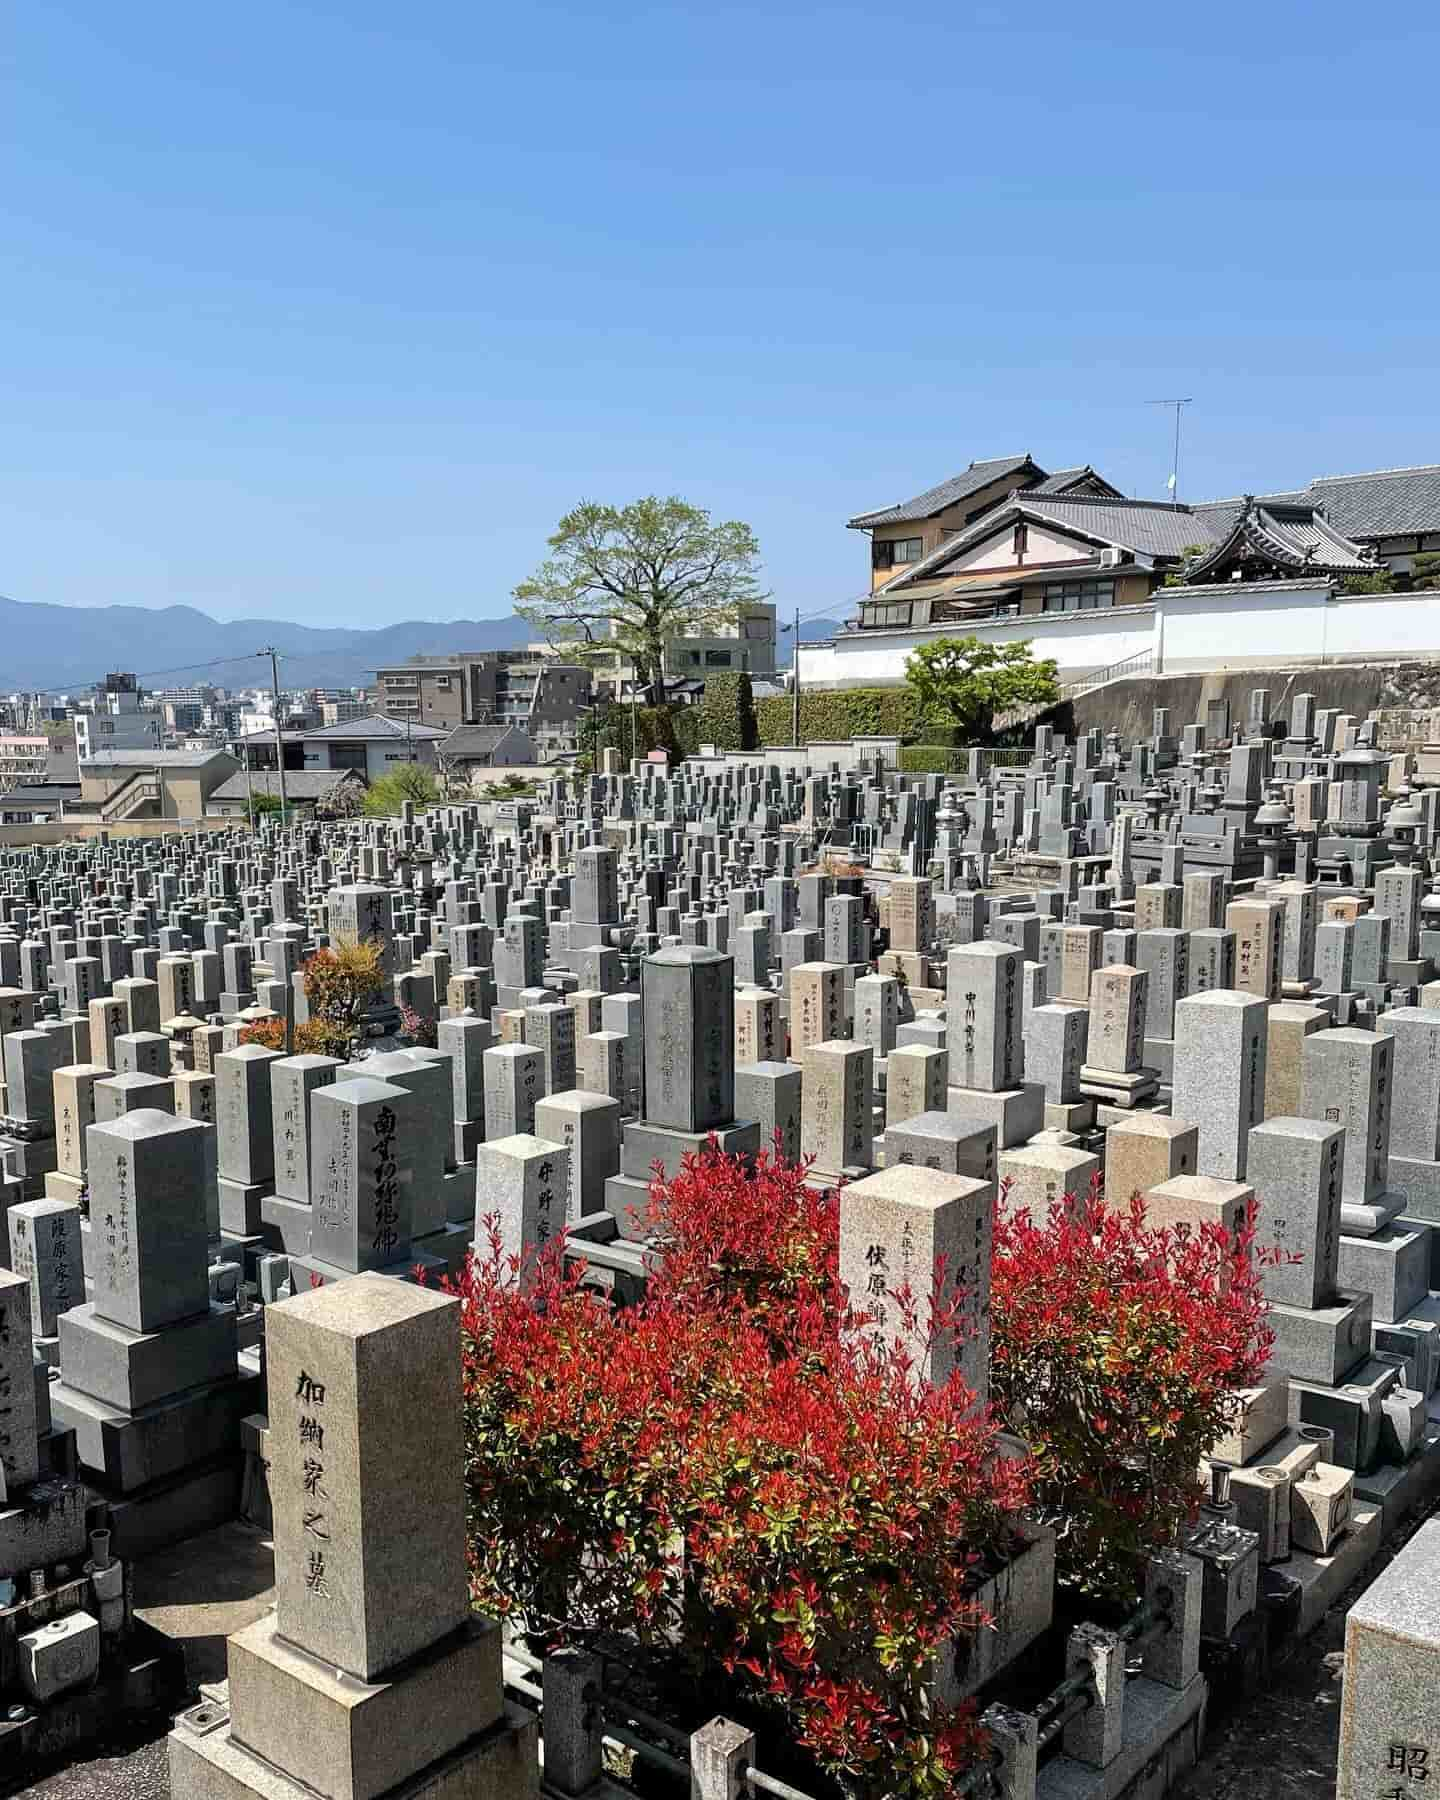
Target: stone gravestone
[
  {"x": 917, "y": 1231},
  {"x": 360, "y": 1199},
  {"x": 371, "y": 1676},
  {"x": 1390, "y": 1704},
  {"x": 148, "y": 1374},
  {"x": 1219, "y": 1077}
]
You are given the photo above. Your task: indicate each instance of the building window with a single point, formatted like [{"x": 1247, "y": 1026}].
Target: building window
[
  {"x": 1077, "y": 596},
  {"x": 898, "y": 614},
  {"x": 717, "y": 659},
  {"x": 442, "y": 681},
  {"x": 695, "y": 658}
]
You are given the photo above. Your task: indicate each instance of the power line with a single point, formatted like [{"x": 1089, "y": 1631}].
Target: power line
[{"x": 215, "y": 662}]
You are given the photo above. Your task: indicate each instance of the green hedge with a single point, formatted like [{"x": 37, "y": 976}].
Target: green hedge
[
  {"x": 729, "y": 717},
  {"x": 726, "y": 713},
  {"x": 926, "y": 759},
  {"x": 848, "y": 713}
]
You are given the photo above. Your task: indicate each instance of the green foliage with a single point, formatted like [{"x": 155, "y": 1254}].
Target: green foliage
[
  {"x": 963, "y": 682},
  {"x": 926, "y": 759},
  {"x": 1376, "y": 581},
  {"x": 407, "y": 781},
  {"x": 1426, "y": 570},
  {"x": 654, "y": 728},
  {"x": 339, "y": 982},
  {"x": 685, "y": 723},
  {"x": 726, "y": 713},
  {"x": 264, "y": 803},
  {"x": 848, "y": 713},
  {"x": 629, "y": 578}
]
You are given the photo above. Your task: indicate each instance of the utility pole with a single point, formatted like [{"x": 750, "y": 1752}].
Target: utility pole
[
  {"x": 270, "y": 651},
  {"x": 795, "y": 683}
]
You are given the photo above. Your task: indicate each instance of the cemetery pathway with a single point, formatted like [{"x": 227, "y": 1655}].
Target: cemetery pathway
[{"x": 1282, "y": 1744}]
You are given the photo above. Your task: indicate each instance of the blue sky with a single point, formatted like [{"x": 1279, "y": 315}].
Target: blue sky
[{"x": 326, "y": 312}]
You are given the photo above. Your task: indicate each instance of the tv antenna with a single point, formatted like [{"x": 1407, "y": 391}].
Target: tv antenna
[{"x": 1174, "y": 482}]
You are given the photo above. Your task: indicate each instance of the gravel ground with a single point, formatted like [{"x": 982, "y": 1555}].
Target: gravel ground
[{"x": 137, "y": 1771}]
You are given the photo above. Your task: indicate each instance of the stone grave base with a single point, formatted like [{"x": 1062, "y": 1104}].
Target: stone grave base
[
  {"x": 457, "y": 1193},
  {"x": 1016, "y": 1113},
  {"x": 128, "y": 1451},
  {"x": 1164, "y": 1729},
  {"x": 329, "y": 1731},
  {"x": 1076, "y": 1115},
  {"x": 1392, "y": 1266},
  {"x": 132, "y": 1370},
  {"x": 155, "y": 1517},
  {"x": 148, "y": 1677},
  {"x": 613, "y": 1265},
  {"x": 240, "y": 1206},
  {"x": 1417, "y": 1183},
  {"x": 43, "y": 1524},
  {"x": 500, "y": 1763},
  {"x": 285, "y": 1224},
  {"x": 1114, "y": 1089},
  {"x": 1397, "y": 1487},
  {"x": 447, "y": 1247},
  {"x": 1324, "y": 1578},
  {"x": 32, "y": 1159},
  {"x": 643, "y": 1145},
  {"x": 59, "y": 1186},
  {"x": 627, "y": 1200},
  {"x": 1320, "y": 1344},
  {"x": 315, "y": 1271}
]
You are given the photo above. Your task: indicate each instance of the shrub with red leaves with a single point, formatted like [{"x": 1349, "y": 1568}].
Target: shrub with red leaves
[
  {"x": 758, "y": 1238},
  {"x": 726, "y": 1468},
  {"x": 1115, "y": 1352}
]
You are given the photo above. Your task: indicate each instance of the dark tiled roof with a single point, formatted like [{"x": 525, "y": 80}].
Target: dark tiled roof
[
  {"x": 300, "y": 784},
  {"x": 1063, "y": 479},
  {"x": 378, "y": 725},
  {"x": 478, "y": 740},
  {"x": 41, "y": 793},
  {"x": 1387, "y": 503},
  {"x": 936, "y": 499},
  {"x": 1293, "y": 537},
  {"x": 1144, "y": 527},
  {"x": 151, "y": 759},
  {"x": 1382, "y": 503}
]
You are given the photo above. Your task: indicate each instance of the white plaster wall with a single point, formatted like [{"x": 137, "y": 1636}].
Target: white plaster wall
[
  {"x": 1079, "y": 642},
  {"x": 1251, "y": 630},
  {"x": 1040, "y": 547}
]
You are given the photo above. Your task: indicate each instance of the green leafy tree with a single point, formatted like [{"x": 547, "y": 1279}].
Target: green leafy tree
[
  {"x": 727, "y": 713},
  {"x": 963, "y": 683},
  {"x": 631, "y": 577},
  {"x": 1374, "y": 581},
  {"x": 408, "y": 781},
  {"x": 1426, "y": 570},
  {"x": 264, "y": 802}
]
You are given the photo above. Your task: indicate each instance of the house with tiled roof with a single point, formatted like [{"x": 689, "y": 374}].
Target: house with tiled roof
[
  {"x": 1099, "y": 582},
  {"x": 912, "y": 530}
]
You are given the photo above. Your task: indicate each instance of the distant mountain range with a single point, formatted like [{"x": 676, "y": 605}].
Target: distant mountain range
[{"x": 72, "y": 647}]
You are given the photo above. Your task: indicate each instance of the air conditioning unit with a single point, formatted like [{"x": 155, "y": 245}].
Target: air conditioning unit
[{"x": 1110, "y": 558}]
